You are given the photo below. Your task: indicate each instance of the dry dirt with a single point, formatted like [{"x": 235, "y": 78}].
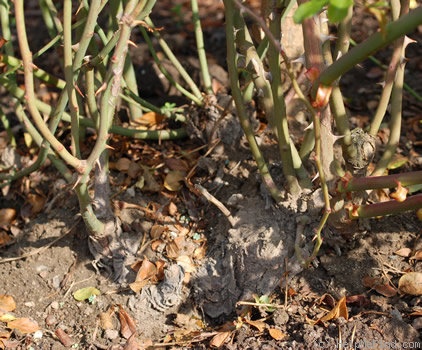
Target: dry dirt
[{"x": 251, "y": 256}]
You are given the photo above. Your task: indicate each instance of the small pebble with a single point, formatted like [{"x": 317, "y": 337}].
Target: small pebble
[
  {"x": 55, "y": 305},
  {"x": 111, "y": 334},
  {"x": 50, "y": 320},
  {"x": 56, "y": 282},
  {"x": 29, "y": 304}
]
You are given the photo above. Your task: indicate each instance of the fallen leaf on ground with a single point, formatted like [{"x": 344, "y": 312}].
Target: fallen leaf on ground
[
  {"x": 219, "y": 339},
  {"x": 381, "y": 287},
  {"x": 417, "y": 256},
  {"x": 5, "y": 239},
  {"x": 277, "y": 334},
  {"x": 177, "y": 164},
  {"x": 186, "y": 262},
  {"x": 86, "y": 293},
  {"x": 358, "y": 300},
  {"x": 122, "y": 164},
  {"x": 127, "y": 325},
  {"x": 147, "y": 272},
  {"x": 173, "y": 180},
  {"x": 150, "y": 119},
  {"x": 416, "y": 313},
  {"x": 411, "y": 283},
  {"x": 339, "y": 310},
  {"x": 404, "y": 252},
  {"x": 132, "y": 343},
  {"x": 157, "y": 230},
  {"x": 259, "y": 325},
  {"x": 7, "y": 303},
  {"x": 7, "y": 215},
  {"x": 106, "y": 319},
  {"x": 4, "y": 336},
  {"x": 24, "y": 325}
]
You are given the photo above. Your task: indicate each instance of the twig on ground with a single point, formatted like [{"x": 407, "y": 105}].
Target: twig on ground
[{"x": 217, "y": 203}]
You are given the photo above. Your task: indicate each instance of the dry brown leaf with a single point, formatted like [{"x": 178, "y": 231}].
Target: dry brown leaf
[
  {"x": 327, "y": 299},
  {"x": 132, "y": 343},
  {"x": 259, "y": 325},
  {"x": 416, "y": 313},
  {"x": 216, "y": 86},
  {"x": 149, "y": 184},
  {"x": 173, "y": 180},
  {"x": 5, "y": 239},
  {"x": 150, "y": 119},
  {"x": 106, "y": 319},
  {"x": 172, "y": 250},
  {"x": 36, "y": 202},
  {"x": 127, "y": 325},
  {"x": 377, "y": 284},
  {"x": 177, "y": 164},
  {"x": 359, "y": 300},
  {"x": 277, "y": 334},
  {"x": 7, "y": 303},
  {"x": 370, "y": 282},
  {"x": 64, "y": 338},
  {"x": 401, "y": 193},
  {"x": 219, "y": 339},
  {"x": 411, "y": 283},
  {"x": 4, "y": 336},
  {"x": 157, "y": 230},
  {"x": 155, "y": 245},
  {"x": 404, "y": 252},
  {"x": 200, "y": 252},
  {"x": 160, "y": 264},
  {"x": 24, "y": 325},
  {"x": 386, "y": 290},
  {"x": 7, "y": 215},
  {"x": 417, "y": 256},
  {"x": 123, "y": 164},
  {"x": 134, "y": 170},
  {"x": 186, "y": 262},
  {"x": 172, "y": 209},
  {"x": 339, "y": 310},
  {"x": 145, "y": 273}
]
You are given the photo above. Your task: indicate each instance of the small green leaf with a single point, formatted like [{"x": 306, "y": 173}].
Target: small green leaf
[
  {"x": 337, "y": 10},
  {"x": 264, "y": 299},
  {"x": 308, "y": 9},
  {"x": 86, "y": 293}
]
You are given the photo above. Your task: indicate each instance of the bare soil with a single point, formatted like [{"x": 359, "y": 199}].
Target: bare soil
[{"x": 228, "y": 262}]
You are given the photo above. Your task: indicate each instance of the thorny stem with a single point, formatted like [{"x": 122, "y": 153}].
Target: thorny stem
[
  {"x": 200, "y": 47},
  {"x": 386, "y": 208},
  {"x": 192, "y": 96},
  {"x": 336, "y": 100},
  {"x": 68, "y": 72},
  {"x": 396, "y": 107},
  {"x": 237, "y": 97},
  {"x": 116, "y": 129},
  {"x": 113, "y": 82},
  {"x": 394, "y": 30},
  {"x": 30, "y": 93},
  {"x": 357, "y": 184},
  {"x": 280, "y": 114},
  {"x": 170, "y": 55},
  {"x": 318, "y": 238},
  {"x": 389, "y": 77},
  {"x": 277, "y": 120}
]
